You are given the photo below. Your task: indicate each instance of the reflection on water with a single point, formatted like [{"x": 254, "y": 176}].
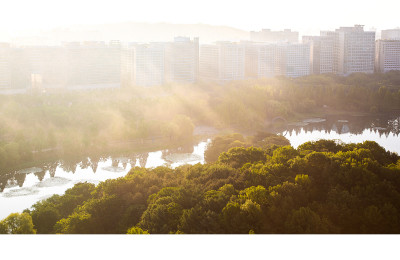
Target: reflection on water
[
  {"x": 22, "y": 188},
  {"x": 383, "y": 130}
]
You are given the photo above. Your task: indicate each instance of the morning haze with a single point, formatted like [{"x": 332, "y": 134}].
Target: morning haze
[{"x": 199, "y": 117}]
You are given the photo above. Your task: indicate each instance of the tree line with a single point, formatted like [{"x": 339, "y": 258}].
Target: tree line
[
  {"x": 257, "y": 185},
  {"x": 66, "y": 122}
]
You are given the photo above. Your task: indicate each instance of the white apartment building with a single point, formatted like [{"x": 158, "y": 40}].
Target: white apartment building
[
  {"x": 14, "y": 68},
  {"x": 145, "y": 64},
  {"x": 391, "y": 34},
  {"x": 223, "y": 61},
  {"x": 259, "y": 60},
  {"x": 264, "y": 60},
  {"x": 354, "y": 50},
  {"x": 293, "y": 60},
  {"x": 326, "y": 52},
  {"x": 321, "y": 52},
  {"x": 182, "y": 60},
  {"x": 387, "y": 55},
  {"x": 75, "y": 65},
  {"x": 93, "y": 64},
  {"x": 49, "y": 64}
]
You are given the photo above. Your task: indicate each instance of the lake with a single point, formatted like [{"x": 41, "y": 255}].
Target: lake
[
  {"x": 21, "y": 189},
  {"x": 349, "y": 129}
]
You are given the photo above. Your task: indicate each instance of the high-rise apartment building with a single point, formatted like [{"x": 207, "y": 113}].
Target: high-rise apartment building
[
  {"x": 49, "y": 64},
  {"x": 155, "y": 64},
  {"x": 260, "y": 59},
  {"x": 321, "y": 52},
  {"x": 354, "y": 50},
  {"x": 182, "y": 60},
  {"x": 387, "y": 55},
  {"x": 326, "y": 52},
  {"x": 292, "y": 60},
  {"x": 223, "y": 61},
  {"x": 74, "y": 65},
  {"x": 391, "y": 34},
  {"x": 263, "y": 60},
  {"x": 209, "y": 62},
  {"x": 266, "y": 35},
  {"x": 93, "y": 64},
  {"x": 14, "y": 69},
  {"x": 144, "y": 65}
]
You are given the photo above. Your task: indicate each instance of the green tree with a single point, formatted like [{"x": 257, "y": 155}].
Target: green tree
[
  {"x": 222, "y": 144},
  {"x": 238, "y": 156},
  {"x": 306, "y": 221},
  {"x": 17, "y": 223},
  {"x": 137, "y": 231}
]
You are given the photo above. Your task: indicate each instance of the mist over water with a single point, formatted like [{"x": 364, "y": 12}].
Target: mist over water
[
  {"x": 348, "y": 129},
  {"x": 25, "y": 187}
]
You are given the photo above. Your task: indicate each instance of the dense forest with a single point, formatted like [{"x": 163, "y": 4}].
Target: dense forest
[
  {"x": 257, "y": 185},
  {"x": 35, "y": 125}
]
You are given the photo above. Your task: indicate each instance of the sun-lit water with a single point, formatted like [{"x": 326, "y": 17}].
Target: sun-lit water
[
  {"x": 390, "y": 142},
  {"x": 22, "y": 188},
  {"x": 351, "y": 129},
  {"x": 27, "y": 186}
]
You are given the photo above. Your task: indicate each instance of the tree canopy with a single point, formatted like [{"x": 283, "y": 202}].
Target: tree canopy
[{"x": 320, "y": 187}]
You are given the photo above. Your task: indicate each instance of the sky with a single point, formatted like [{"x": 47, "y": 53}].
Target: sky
[{"x": 302, "y": 15}]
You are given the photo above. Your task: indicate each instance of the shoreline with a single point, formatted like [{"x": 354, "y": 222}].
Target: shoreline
[
  {"x": 139, "y": 146},
  {"x": 107, "y": 151}
]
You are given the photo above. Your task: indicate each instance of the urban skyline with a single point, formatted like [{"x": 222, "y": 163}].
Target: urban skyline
[{"x": 95, "y": 64}]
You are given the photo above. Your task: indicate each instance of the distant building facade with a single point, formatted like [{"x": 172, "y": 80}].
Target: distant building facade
[
  {"x": 155, "y": 64},
  {"x": 74, "y": 65},
  {"x": 14, "y": 69},
  {"x": 260, "y": 60},
  {"x": 264, "y": 60},
  {"x": 391, "y": 34},
  {"x": 343, "y": 51},
  {"x": 93, "y": 64},
  {"x": 182, "y": 60},
  {"x": 354, "y": 50},
  {"x": 269, "y": 53},
  {"x": 296, "y": 60},
  {"x": 292, "y": 60},
  {"x": 223, "y": 61},
  {"x": 48, "y": 66},
  {"x": 144, "y": 64},
  {"x": 321, "y": 52},
  {"x": 387, "y": 55}
]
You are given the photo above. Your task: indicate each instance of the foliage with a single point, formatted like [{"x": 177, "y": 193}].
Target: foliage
[
  {"x": 224, "y": 143},
  {"x": 321, "y": 187},
  {"x": 47, "y": 212},
  {"x": 66, "y": 124},
  {"x": 238, "y": 156},
  {"x": 17, "y": 223},
  {"x": 137, "y": 231}
]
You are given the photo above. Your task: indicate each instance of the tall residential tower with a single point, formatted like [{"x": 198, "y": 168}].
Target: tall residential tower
[{"x": 354, "y": 50}]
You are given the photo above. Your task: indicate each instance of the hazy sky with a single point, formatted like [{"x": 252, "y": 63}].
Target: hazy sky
[{"x": 303, "y": 15}]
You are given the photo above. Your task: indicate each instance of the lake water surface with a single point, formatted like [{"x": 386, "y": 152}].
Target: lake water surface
[
  {"x": 349, "y": 129},
  {"x": 21, "y": 189}
]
